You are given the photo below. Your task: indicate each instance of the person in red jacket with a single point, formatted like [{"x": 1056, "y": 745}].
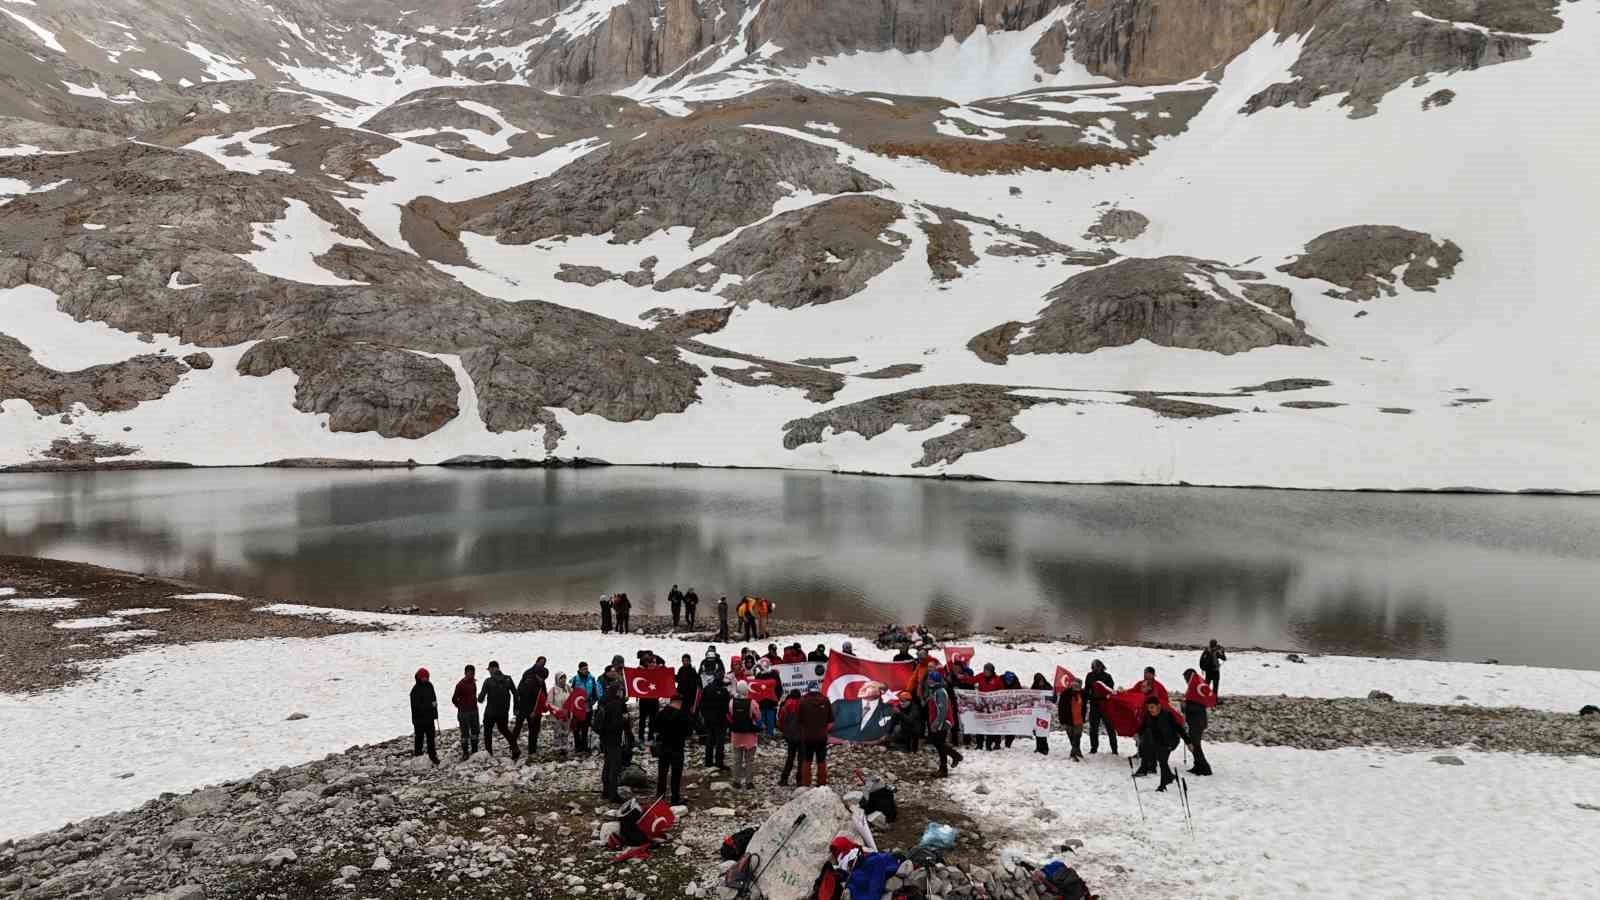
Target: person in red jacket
[
  {"x": 793, "y": 654},
  {"x": 465, "y": 699},
  {"x": 789, "y": 727},
  {"x": 816, "y": 719},
  {"x": 986, "y": 682}
]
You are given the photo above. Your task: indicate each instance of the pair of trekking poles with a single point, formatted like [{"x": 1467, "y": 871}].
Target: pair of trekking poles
[{"x": 1183, "y": 794}]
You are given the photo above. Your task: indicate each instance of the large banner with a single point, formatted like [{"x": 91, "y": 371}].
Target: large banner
[
  {"x": 804, "y": 677},
  {"x": 860, "y": 690},
  {"x": 1018, "y": 713}
]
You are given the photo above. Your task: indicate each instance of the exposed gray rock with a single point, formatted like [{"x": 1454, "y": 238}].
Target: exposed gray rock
[
  {"x": 114, "y": 387},
  {"x": 1380, "y": 695},
  {"x": 898, "y": 370},
  {"x": 1363, "y": 259},
  {"x": 534, "y": 111},
  {"x": 713, "y": 180},
  {"x": 1310, "y": 404},
  {"x": 588, "y": 276},
  {"x": 86, "y": 447},
  {"x": 201, "y": 361},
  {"x": 1284, "y": 384},
  {"x": 1117, "y": 225},
  {"x": 820, "y": 254},
  {"x": 1438, "y": 98},
  {"x": 1326, "y": 724},
  {"x": 1173, "y": 301},
  {"x": 362, "y": 386}
]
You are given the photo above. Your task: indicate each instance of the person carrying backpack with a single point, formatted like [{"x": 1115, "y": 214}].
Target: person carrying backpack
[
  {"x": 941, "y": 723},
  {"x": 789, "y": 726},
  {"x": 714, "y": 705},
  {"x": 744, "y": 724},
  {"x": 1211, "y": 660},
  {"x": 532, "y": 699}
]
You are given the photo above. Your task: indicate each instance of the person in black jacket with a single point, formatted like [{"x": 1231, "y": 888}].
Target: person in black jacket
[
  {"x": 818, "y": 655},
  {"x": 714, "y": 703},
  {"x": 722, "y": 619},
  {"x": 424, "y": 716},
  {"x": 672, "y": 729},
  {"x": 688, "y": 683},
  {"x": 1211, "y": 660},
  {"x": 1159, "y": 733},
  {"x": 675, "y": 603},
  {"x": 532, "y": 697},
  {"x": 497, "y": 690},
  {"x": 605, "y": 613},
  {"x": 624, "y": 607},
  {"x": 691, "y": 604},
  {"x": 1098, "y": 675},
  {"x": 613, "y": 730},
  {"x": 1195, "y": 714}
]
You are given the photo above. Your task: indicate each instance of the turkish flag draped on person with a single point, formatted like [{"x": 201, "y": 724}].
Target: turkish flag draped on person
[
  {"x": 1064, "y": 679},
  {"x": 651, "y": 684},
  {"x": 576, "y": 708},
  {"x": 846, "y": 675},
  {"x": 1200, "y": 692},
  {"x": 1125, "y": 709},
  {"x": 657, "y": 819},
  {"x": 762, "y": 689},
  {"x": 964, "y": 654}
]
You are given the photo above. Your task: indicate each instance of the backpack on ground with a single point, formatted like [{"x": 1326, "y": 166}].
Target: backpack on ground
[
  {"x": 1059, "y": 881},
  {"x": 878, "y": 797},
  {"x": 741, "y": 877},
  {"x": 734, "y": 845}
]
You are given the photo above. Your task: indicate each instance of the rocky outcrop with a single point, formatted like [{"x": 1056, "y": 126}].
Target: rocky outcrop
[
  {"x": 1365, "y": 260},
  {"x": 809, "y": 28},
  {"x": 1173, "y": 301},
  {"x": 115, "y": 387},
  {"x": 1117, "y": 225},
  {"x": 987, "y": 408},
  {"x": 712, "y": 180},
  {"x": 538, "y": 114},
  {"x": 820, "y": 254},
  {"x": 362, "y": 387},
  {"x": 86, "y": 448}
]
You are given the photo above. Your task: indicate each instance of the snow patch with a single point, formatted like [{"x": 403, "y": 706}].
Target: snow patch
[{"x": 288, "y": 247}]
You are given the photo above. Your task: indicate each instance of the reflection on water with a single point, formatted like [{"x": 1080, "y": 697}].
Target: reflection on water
[{"x": 1454, "y": 576}]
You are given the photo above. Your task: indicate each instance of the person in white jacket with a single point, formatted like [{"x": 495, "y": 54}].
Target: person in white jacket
[{"x": 561, "y": 730}]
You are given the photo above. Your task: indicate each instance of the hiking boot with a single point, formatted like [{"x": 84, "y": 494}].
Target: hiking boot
[{"x": 1162, "y": 789}]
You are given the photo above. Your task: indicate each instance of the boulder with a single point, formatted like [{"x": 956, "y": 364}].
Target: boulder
[
  {"x": 1380, "y": 695},
  {"x": 804, "y": 827}
]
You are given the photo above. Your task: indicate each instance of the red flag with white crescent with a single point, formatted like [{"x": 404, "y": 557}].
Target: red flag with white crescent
[
  {"x": 577, "y": 706},
  {"x": 847, "y": 674},
  {"x": 1200, "y": 692},
  {"x": 656, "y": 683},
  {"x": 961, "y": 654},
  {"x": 1064, "y": 679},
  {"x": 657, "y": 820},
  {"x": 762, "y": 689}
]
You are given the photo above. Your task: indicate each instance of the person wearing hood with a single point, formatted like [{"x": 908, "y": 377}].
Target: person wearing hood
[
  {"x": 941, "y": 723},
  {"x": 711, "y": 666},
  {"x": 847, "y": 649},
  {"x": 1099, "y": 676},
  {"x": 532, "y": 700},
  {"x": 424, "y": 716},
  {"x": 675, "y": 604},
  {"x": 818, "y": 655},
  {"x": 613, "y": 677},
  {"x": 497, "y": 691},
  {"x": 465, "y": 700},
  {"x": 714, "y": 704},
  {"x": 744, "y": 727},
  {"x": 605, "y": 613},
  {"x": 722, "y": 620},
  {"x": 691, "y": 605},
  {"x": 561, "y": 715},
  {"x": 586, "y": 682}
]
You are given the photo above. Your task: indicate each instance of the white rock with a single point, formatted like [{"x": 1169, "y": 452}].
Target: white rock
[{"x": 382, "y": 864}]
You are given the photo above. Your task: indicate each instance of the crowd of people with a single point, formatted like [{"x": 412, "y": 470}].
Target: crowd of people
[
  {"x": 740, "y": 704},
  {"x": 750, "y": 613}
]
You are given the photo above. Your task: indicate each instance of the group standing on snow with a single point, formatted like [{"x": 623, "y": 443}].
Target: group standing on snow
[{"x": 750, "y": 614}]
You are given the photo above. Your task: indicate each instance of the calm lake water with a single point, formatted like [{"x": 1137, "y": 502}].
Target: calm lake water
[{"x": 1462, "y": 577}]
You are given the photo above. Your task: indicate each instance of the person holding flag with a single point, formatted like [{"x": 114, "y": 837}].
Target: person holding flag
[
  {"x": 1070, "y": 702},
  {"x": 1159, "y": 733},
  {"x": 561, "y": 719},
  {"x": 1099, "y": 684},
  {"x": 1197, "y": 700}
]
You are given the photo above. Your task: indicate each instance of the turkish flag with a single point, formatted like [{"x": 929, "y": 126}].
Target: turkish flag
[
  {"x": 577, "y": 706},
  {"x": 962, "y": 654},
  {"x": 1064, "y": 679},
  {"x": 762, "y": 689},
  {"x": 1125, "y": 709},
  {"x": 657, "y": 819},
  {"x": 655, "y": 683},
  {"x": 846, "y": 675},
  {"x": 1200, "y": 692}
]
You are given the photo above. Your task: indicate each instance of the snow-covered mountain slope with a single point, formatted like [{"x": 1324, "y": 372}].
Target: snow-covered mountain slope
[{"x": 1310, "y": 244}]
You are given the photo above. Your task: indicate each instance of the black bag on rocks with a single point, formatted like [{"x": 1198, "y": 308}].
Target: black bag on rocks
[
  {"x": 880, "y": 799},
  {"x": 734, "y": 845},
  {"x": 1059, "y": 880}
]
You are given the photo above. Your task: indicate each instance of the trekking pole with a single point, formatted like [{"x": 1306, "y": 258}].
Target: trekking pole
[
  {"x": 1188, "y": 815},
  {"x": 799, "y": 820},
  {"x": 1136, "y": 797}
]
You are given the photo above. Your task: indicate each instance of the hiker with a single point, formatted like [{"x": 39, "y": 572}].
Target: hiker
[
  {"x": 465, "y": 700},
  {"x": 687, "y": 683},
  {"x": 1150, "y": 685},
  {"x": 746, "y": 612},
  {"x": 773, "y": 656},
  {"x": 691, "y": 603},
  {"x": 1099, "y": 675},
  {"x": 1010, "y": 682},
  {"x": 905, "y": 728},
  {"x": 818, "y": 655},
  {"x": 789, "y": 727},
  {"x": 903, "y": 654},
  {"x": 672, "y": 728},
  {"x": 988, "y": 682},
  {"x": 793, "y": 654},
  {"x": 560, "y": 702},
  {"x": 586, "y": 682},
  {"x": 816, "y": 720},
  {"x": 497, "y": 689},
  {"x": 714, "y": 703},
  {"x": 614, "y": 732},
  {"x": 744, "y": 727},
  {"x": 648, "y": 706},
  {"x": 1159, "y": 733},
  {"x": 711, "y": 666},
  {"x": 941, "y": 723},
  {"x": 624, "y": 607},
  {"x": 675, "y": 604},
  {"x": 424, "y": 716},
  {"x": 532, "y": 698},
  {"x": 769, "y": 701},
  {"x": 763, "y": 610},
  {"x": 847, "y": 649},
  {"x": 1194, "y": 713},
  {"x": 722, "y": 619},
  {"x": 1211, "y": 660},
  {"x": 613, "y": 675},
  {"x": 1041, "y": 741},
  {"x": 605, "y": 613},
  {"x": 1070, "y": 703}
]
